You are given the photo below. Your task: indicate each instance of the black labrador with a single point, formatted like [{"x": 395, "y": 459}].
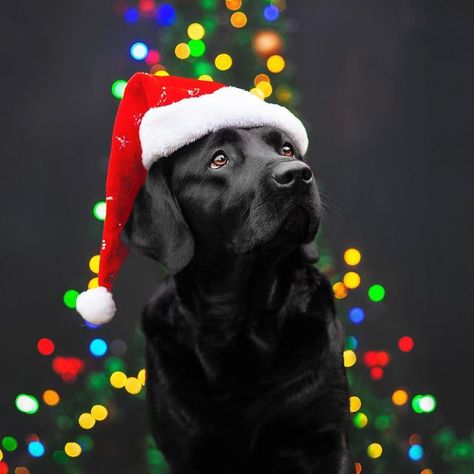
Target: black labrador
[{"x": 245, "y": 371}]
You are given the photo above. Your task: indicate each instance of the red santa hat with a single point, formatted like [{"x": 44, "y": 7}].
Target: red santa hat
[{"x": 157, "y": 116}]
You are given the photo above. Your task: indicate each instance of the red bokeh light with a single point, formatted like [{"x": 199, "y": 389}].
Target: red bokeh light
[
  {"x": 376, "y": 373},
  {"x": 3, "y": 468},
  {"x": 45, "y": 346},
  {"x": 68, "y": 368},
  {"x": 383, "y": 358},
  {"x": 406, "y": 344},
  {"x": 153, "y": 57},
  {"x": 371, "y": 358}
]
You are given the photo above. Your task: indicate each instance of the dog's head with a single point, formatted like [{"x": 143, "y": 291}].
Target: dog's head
[{"x": 235, "y": 191}]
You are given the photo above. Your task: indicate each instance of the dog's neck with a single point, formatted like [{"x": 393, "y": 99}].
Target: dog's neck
[{"x": 231, "y": 294}]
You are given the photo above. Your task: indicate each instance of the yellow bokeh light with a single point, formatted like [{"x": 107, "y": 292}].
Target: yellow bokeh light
[
  {"x": 1, "y": 454},
  {"x": 260, "y": 78},
  {"x": 399, "y": 397},
  {"x": 238, "y": 19},
  {"x": 339, "y": 290},
  {"x": 275, "y": 63},
  {"x": 182, "y": 51},
  {"x": 426, "y": 471},
  {"x": 223, "y": 62},
  {"x": 133, "y": 385},
  {"x": 258, "y": 92},
  {"x": 118, "y": 379},
  {"x": 73, "y": 449},
  {"x": 266, "y": 88},
  {"x": 142, "y": 376},
  {"x": 196, "y": 31},
  {"x": 374, "y": 450},
  {"x": 22, "y": 470},
  {"x": 355, "y": 403},
  {"x": 351, "y": 280},
  {"x": 99, "y": 412},
  {"x": 233, "y": 4},
  {"x": 94, "y": 263},
  {"x": 205, "y": 77},
  {"x": 162, "y": 72},
  {"x": 51, "y": 397},
  {"x": 86, "y": 421},
  {"x": 93, "y": 283},
  {"x": 352, "y": 256},
  {"x": 350, "y": 358},
  {"x": 284, "y": 94}
]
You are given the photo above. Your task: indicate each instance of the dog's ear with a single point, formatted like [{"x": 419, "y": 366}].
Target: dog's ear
[
  {"x": 156, "y": 226},
  {"x": 310, "y": 252}
]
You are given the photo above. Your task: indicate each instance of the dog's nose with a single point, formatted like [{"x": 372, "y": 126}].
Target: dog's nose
[{"x": 290, "y": 174}]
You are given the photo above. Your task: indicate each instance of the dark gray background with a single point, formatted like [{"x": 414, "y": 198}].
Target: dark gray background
[{"x": 388, "y": 92}]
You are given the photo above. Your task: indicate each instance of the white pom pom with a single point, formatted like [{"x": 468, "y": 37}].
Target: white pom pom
[{"x": 96, "y": 305}]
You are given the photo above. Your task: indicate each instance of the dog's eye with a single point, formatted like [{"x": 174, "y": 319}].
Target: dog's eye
[
  {"x": 219, "y": 160},
  {"x": 287, "y": 150}
]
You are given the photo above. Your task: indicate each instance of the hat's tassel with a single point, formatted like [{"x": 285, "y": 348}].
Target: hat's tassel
[{"x": 96, "y": 305}]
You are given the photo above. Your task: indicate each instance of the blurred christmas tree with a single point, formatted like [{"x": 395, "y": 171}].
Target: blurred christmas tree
[{"x": 83, "y": 426}]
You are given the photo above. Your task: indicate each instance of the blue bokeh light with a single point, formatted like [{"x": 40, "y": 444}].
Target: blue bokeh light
[
  {"x": 415, "y": 453},
  {"x": 166, "y": 15},
  {"x": 271, "y": 13},
  {"x": 131, "y": 15},
  {"x": 139, "y": 50},
  {"x": 98, "y": 347},
  {"x": 356, "y": 315},
  {"x": 36, "y": 449}
]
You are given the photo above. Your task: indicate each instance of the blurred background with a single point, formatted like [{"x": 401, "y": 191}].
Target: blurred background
[{"x": 386, "y": 91}]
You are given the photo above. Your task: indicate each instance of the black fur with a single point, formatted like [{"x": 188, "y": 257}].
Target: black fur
[{"x": 244, "y": 352}]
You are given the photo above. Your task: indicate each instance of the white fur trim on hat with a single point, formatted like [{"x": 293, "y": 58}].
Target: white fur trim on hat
[
  {"x": 96, "y": 305},
  {"x": 165, "y": 129}
]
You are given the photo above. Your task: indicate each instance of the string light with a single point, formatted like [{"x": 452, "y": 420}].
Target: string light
[
  {"x": 51, "y": 397},
  {"x": 271, "y": 13},
  {"x": 118, "y": 379},
  {"x": 352, "y": 256},
  {"x": 233, "y": 4},
  {"x": 45, "y": 346},
  {"x": 351, "y": 280},
  {"x": 98, "y": 347},
  {"x": 86, "y": 421},
  {"x": 36, "y": 449},
  {"x": 374, "y": 450},
  {"x": 182, "y": 51},
  {"x": 355, "y": 404},
  {"x": 350, "y": 358},
  {"x": 415, "y": 452},
  {"x": 339, "y": 290},
  {"x": 196, "y": 31},
  {"x": 99, "y": 209},
  {"x": 376, "y": 293},
  {"x": 73, "y": 450},
  {"x": 9, "y": 443},
  {"x": 399, "y": 397},
  {"x": 94, "y": 263},
  {"x": 138, "y": 51},
  {"x": 266, "y": 88},
  {"x": 196, "y": 48},
  {"x": 356, "y": 315},
  {"x": 142, "y": 376},
  {"x": 99, "y": 412},
  {"x": 406, "y": 344},
  {"x": 133, "y": 386},
  {"x": 118, "y": 90},
  {"x": 360, "y": 420},
  {"x": 26, "y": 404},
  {"x": 166, "y": 14},
  {"x": 70, "y": 297}
]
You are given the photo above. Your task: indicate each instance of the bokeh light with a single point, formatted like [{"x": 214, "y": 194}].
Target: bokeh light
[
  {"x": 142, "y": 376},
  {"x": 271, "y": 13},
  {"x": 400, "y": 397},
  {"x": 51, "y": 397},
  {"x": 133, "y": 386},
  {"x": 9, "y": 443},
  {"x": 26, "y": 404},
  {"x": 70, "y": 297},
  {"x": 427, "y": 403},
  {"x": 261, "y": 78},
  {"x": 86, "y": 421},
  {"x": 138, "y": 51},
  {"x": 98, "y": 347},
  {"x": 376, "y": 373},
  {"x": 406, "y": 344},
  {"x": 356, "y": 315},
  {"x": 360, "y": 420},
  {"x": 355, "y": 404},
  {"x": 376, "y": 293},
  {"x": 205, "y": 77},
  {"x": 374, "y": 450},
  {"x": 352, "y": 256},
  {"x": 94, "y": 263},
  {"x": 118, "y": 90},
  {"x": 257, "y": 92},
  {"x": 351, "y": 343},
  {"x": 45, "y": 346},
  {"x": 118, "y": 379},
  {"x": 267, "y": 42},
  {"x": 339, "y": 290},
  {"x": 196, "y": 48},
  {"x": 153, "y": 57},
  {"x": 99, "y": 412},
  {"x": 238, "y": 19},
  {"x": 196, "y": 31},
  {"x": 275, "y": 63},
  {"x": 351, "y": 280},
  {"x": 166, "y": 14},
  {"x": 36, "y": 449},
  {"x": 415, "y": 452},
  {"x": 99, "y": 209},
  {"x": 73, "y": 450},
  {"x": 182, "y": 51},
  {"x": 131, "y": 15},
  {"x": 266, "y": 88},
  {"x": 350, "y": 358},
  {"x": 223, "y": 62},
  {"x": 233, "y": 4}
]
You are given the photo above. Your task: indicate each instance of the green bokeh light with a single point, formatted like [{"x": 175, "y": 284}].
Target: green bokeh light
[
  {"x": 9, "y": 443},
  {"x": 97, "y": 380},
  {"x": 360, "y": 420},
  {"x": 26, "y": 404},
  {"x": 351, "y": 343},
  {"x": 64, "y": 423},
  {"x": 99, "y": 210},
  {"x": 118, "y": 88},
  {"x": 376, "y": 293},
  {"x": 197, "y": 48},
  {"x": 70, "y": 297},
  {"x": 60, "y": 457},
  {"x": 209, "y": 4},
  {"x": 203, "y": 67},
  {"x": 415, "y": 403},
  {"x": 113, "y": 364},
  {"x": 382, "y": 422},
  {"x": 85, "y": 442}
]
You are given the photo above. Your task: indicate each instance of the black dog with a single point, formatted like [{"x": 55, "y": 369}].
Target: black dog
[{"x": 244, "y": 351}]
